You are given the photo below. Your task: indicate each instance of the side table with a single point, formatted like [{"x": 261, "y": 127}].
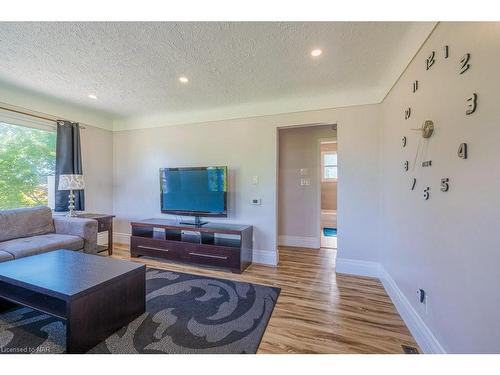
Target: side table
[{"x": 104, "y": 223}]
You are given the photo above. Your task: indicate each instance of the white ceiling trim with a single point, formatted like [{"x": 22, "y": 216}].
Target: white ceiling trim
[{"x": 248, "y": 110}]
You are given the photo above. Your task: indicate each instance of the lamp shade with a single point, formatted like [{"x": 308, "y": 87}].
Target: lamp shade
[{"x": 71, "y": 182}]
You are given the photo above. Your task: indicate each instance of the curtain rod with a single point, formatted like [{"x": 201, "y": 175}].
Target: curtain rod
[{"x": 53, "y": 119}]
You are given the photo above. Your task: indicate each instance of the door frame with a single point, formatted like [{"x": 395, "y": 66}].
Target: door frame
[{"x": 277, "y": 166}]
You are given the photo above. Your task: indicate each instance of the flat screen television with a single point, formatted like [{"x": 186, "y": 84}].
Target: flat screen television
[{"x": 194, "y": 191}]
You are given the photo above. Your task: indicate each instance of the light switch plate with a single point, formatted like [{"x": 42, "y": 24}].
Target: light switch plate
[{"x": 255, "y": 180}]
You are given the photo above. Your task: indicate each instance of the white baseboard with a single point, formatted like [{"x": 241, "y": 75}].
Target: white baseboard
[
  {"x": 421, "y": 333},
  {"x": 357, "y": 267},
  {"x": 265, "y": 257},
  {"x": 298, "y": 241},
  {"x": 259, "y": 256},
  {"x": 122, "y": 238}
]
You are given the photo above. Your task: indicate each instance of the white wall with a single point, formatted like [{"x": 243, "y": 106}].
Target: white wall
[
  {"x": 97, "y": 158},
  {"x": 249, "y": 147},
  {"x": 299, "y": 205},
  {"x": 447, "y": 245}
]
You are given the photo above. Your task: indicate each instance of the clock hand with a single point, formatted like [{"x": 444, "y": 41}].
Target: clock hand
[{"x": 416, "y": 154}]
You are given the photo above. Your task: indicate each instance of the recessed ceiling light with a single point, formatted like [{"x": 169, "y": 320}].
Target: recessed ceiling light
[
  {"x": 92, "y": 96},
  {"x": 183, "y": 79},
  {"x": 316, "y": 52}
]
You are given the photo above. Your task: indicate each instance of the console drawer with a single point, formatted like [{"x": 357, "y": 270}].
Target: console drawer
[
  {"x": 213, "y": 255},
  {"x": 157, "y": 248}
]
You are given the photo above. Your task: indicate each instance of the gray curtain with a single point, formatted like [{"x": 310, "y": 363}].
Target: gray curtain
[{"x": 68, "y": 161}]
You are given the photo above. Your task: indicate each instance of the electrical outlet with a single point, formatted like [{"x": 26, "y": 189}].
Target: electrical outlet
[
  {"x": 421, "y": 295},
  {"x": 423, "y": 298}
]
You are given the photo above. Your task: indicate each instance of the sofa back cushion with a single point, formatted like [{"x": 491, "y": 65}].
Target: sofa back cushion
[{"x": 25, "y": 222}]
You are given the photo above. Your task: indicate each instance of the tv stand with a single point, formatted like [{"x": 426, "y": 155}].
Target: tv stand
[
  {"x": 216, "y": 244},
  {"x": 197, "y": 222}
]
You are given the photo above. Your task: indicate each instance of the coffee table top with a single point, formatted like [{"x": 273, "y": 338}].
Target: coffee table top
[{"x": 63, "y": 273}]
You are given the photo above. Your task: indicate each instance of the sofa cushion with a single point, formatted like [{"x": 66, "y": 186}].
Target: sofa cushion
[
  {"x": 5, "y": 256},
  {"x": 25, "y": 222},
  {"x": 23, "y": 247}
]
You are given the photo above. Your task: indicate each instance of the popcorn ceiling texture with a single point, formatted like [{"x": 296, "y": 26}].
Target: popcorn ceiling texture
[{"x": 255, "y": 68}]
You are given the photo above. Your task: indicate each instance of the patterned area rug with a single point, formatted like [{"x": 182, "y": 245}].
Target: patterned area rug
[{"x": 184, "y": 314}]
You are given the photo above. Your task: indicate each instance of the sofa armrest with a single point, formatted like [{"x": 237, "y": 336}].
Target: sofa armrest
[{"x": 84, "y": 228}]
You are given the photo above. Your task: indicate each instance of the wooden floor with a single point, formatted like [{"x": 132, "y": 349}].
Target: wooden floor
[{"x": 317, "y": 310}]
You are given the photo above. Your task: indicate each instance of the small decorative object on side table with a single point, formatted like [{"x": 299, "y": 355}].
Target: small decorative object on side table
[{"x": 104, "y": 223}]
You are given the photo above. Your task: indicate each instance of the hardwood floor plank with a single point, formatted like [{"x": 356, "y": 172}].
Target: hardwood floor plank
[{"x": 318, "y": 311}]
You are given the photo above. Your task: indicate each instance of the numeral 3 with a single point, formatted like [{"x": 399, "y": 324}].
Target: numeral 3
[{"x": 471, "y": 104}]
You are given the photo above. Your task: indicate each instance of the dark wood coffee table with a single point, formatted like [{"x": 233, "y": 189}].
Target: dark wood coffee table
[{"x": 95, "y": 295}]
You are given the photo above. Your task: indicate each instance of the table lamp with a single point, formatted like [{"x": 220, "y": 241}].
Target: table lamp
[{"x": 71, "y": 182}]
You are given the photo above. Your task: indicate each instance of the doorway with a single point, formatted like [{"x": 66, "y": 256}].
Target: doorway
[
  {"x": 300, "y": 175},
  {"x": 328, "y": 186}
]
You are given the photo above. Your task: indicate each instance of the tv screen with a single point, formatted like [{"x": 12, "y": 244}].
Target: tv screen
[{"x": 197, "y": 191}]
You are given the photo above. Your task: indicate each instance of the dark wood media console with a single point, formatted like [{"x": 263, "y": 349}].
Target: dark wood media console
[{"x": 216, "y": 244}]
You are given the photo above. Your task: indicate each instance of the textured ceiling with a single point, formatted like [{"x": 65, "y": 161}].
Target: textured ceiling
[{"x": 133, "y": 68}]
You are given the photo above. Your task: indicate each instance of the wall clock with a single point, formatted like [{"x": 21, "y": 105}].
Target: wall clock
[{"x": 423, "y": 133}]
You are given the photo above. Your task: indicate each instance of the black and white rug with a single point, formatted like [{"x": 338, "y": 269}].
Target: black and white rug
[{"x": 184, "y": 314}]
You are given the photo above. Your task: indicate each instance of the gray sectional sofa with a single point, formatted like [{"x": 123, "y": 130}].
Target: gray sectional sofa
[{"x": 30, "y": 231}]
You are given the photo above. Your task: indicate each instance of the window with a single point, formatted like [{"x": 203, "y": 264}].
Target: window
[
  {"x": 27, "y": 165},
  {"x": 329, "y": 165}
]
